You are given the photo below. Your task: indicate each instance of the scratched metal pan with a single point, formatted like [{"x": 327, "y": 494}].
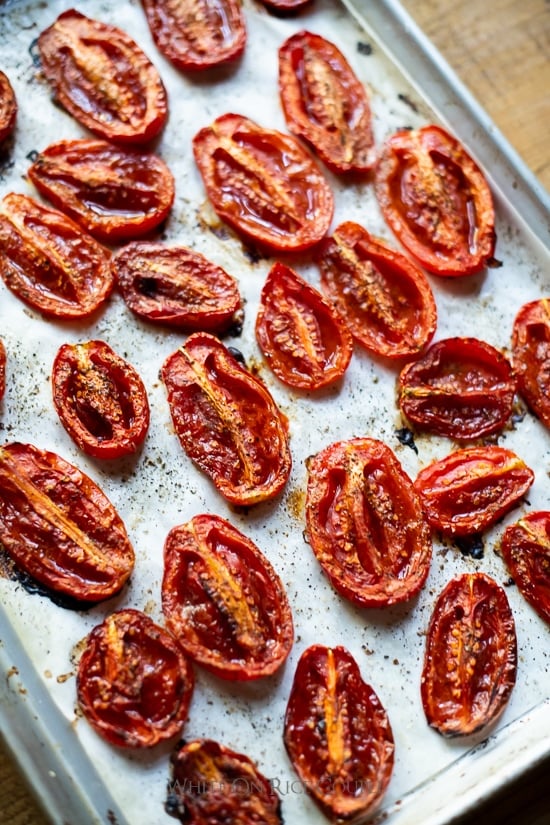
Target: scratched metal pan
[{"x": 78, "y": 777}]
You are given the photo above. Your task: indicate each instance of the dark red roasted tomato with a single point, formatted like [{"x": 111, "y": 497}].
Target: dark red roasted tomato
[
  {"x": 113, "y": 192},
  {"x": 470, "y": 489},
  {"x": 531, "y": 356},
  {"x": 176, "y": 286},
  {"x": 461, "y": 388},
  {"x": 59, "y": 527},
  {"x": 263, "y": 183},
  {"x": 386, "y": 299},
  {"x": 49, "y": 262},
  {"x": 525, "y": 547},
  {"x": 437, "y": 201},
  {"x": 227, "y": 421},
  {"x": 337, "y": 734},
  {"x": 365, "y": 523},
  {"x": 471, "y": 656},
  {"x": 304, "y": 340},
  {"x": 103, "y": 78},
  {"x": 223, "y": 600},
  {"x": 8, "y": 107},
  {"x": 325, "y": 103},
  {"x": 100, "y": 399},
  {"x": 134, "y": 685}
]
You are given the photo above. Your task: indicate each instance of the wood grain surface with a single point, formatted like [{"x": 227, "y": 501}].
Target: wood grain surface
[{"x": 501, "y": 51}]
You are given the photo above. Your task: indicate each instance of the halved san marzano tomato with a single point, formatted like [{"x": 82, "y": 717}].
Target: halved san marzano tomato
[
  {"x": 227, "y": 421},
  {"x": 304, "y": 340},
  {"x": 134, "y": 684},
  {"x": 386, "y": 299},
  {"x": 8, "y": 107},
  {"x": 337, "y": 734},
  {"x": 59, "y": 527},
  {"x": 470, "y": 489},
  {"x": 49, "y": 262},
  {"x": 100, "y": 399},
  {"x": 531, "y": 356},
  {"x": 460, "y": 387},
  {"x": 114, "y": 193},
  {"x": 103, "y": 78},
  {"x": 263, "y": 183},
  {"x": 176, "y": 286},
  {"x": 437, "y": 201},
  {"x": 525, "y": 547},
  {"x": 325, "y": 103},
  {"x": 470, "y": 659},
  {"x": 365, "y": 523},
  {"x": 197, "y": 34},
  {"x": 223, "y": 600}
]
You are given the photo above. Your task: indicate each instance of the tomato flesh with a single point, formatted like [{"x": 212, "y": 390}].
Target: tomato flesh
[
  {"x": 525, "y": 547},
  {"x": 531, "y": 356}
]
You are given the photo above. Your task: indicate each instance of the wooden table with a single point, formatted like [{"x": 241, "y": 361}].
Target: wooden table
[{"x": 501, "y": 51}]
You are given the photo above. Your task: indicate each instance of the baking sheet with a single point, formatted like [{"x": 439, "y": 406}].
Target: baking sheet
[{"x": 70, "y": 766}]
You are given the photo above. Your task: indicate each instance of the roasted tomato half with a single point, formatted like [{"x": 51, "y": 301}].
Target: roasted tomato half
[
  {"x": 386, "y": 299},
  {"x": 337, "y": 734},
  {"x": 113, "y": 192},
  {"x": 59, "y": 527},
  {"x": 3, "y": 359},
  {"x": 365, "y": 523},
  {"x": 304, "y": 340},
  {"x": 469, "y": 490},
  {"x": 263, "y": 183},
  {"x": 177, "y": 286},
  {"x": 471, "y": 656},
  {"x": 437, "y": 201},
  {"x": 325, "y": 104},
  {"x": 8, "y": 107},
  {"x": 100, "y": 399},
  {"x": 525, "y": 547},
  {"x": 227, "y": 421},
  {"x": 134, "y": 684},
  {"x": 212, "y": 784},
  {"x": 49, "y": 262},
  {"x": 531, "y": 356},
  {"x": 197, "y": 35},
  {"x": 461, "y": 388},
  {"x": 103, "y": 78}
]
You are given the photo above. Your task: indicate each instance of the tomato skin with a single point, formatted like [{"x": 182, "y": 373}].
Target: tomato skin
[
  {"x": 134, "y": 684},
  {"x": 59, "y": 527},
  {"x": 223, "y": 600},
  {"x": 437, "y": 201},
  {"x": 470, "y": 661},
  {"x": 468, "y": 490},
  {"x": 365, "y": 523},
  {"x": 227, "y": 421},
  {"x": 325, "y": 104},
  {"x": 531, "y": 356},
  {"x": 263, "y": 183},
  {"x": 49, "y": 262},
  {"x": 337, "y": 734},
  {"x": 103, "y": 79},
  {"x": 386, "y": 299},
  {"x": 177, "y": 287},
  {"x": 8, "y": 107},
  {"x": 525, "y": 548},
  {"x": 460, "y": 387}
]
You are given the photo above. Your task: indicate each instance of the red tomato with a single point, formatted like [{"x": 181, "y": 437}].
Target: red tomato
[
  {"x": 59, "y": 527},
  {"x": 177, "y": 287},
  {"x": 469, "y": 490},
  {"x": 461, "y": 388},
  {"x": 525, "y": 547},
  {"x": 306, "y": 343},
  {"x": 227, "y": 421},
  {"x": 263, "y": 183},
  {"x": 471, "y": 656},
  {"x": 437, "y": 201},
  {"x": 8, "y": 107},
  {"x": 100, "y": 399},
  {"x": 286, "y": 6},
  {"x": 112, "y": 192},
  {"x": 337, "y": 734},
  {"x": 386, "y": 300},
  {"x": 325, "y": 104},
  {"x": 49, "y": 262},
  {"x": 134, "y": 685},
  {"x": 3, "y": 359},
  {"x": 197, "y": 34},
  {"x": 103, "y": 78},
  {"x": 365, "y": 523},
  {"x": 531, "y": 356}
]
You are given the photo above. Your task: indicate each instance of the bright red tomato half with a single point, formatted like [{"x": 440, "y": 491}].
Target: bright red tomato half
[
  {"x": 8, "y": 107},
  {"x": 531, "y": 356},
  {"x": 525, "y": 547}
]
